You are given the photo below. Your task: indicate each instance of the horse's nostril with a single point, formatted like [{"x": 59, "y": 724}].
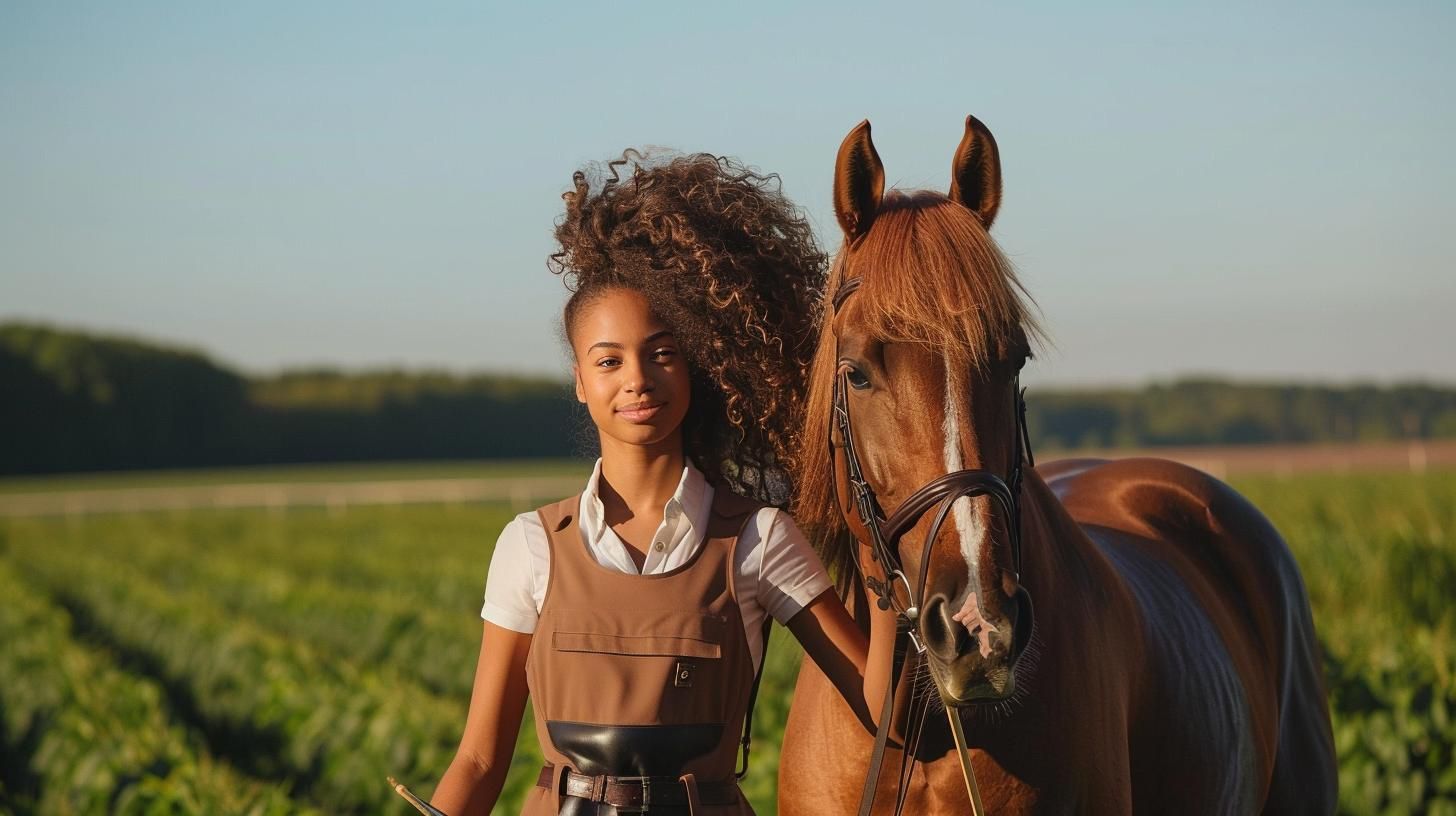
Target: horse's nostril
[
  {"x": 931, "y": 619},
  {"x": 944, "y": 636}
]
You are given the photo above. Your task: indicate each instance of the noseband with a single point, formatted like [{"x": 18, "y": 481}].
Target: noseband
[
  {"x": 885, "y": 534},
  {"x": 942, "y": 492}
]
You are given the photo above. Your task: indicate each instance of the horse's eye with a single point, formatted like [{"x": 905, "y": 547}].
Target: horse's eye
[{"x": 857, "y": 380}]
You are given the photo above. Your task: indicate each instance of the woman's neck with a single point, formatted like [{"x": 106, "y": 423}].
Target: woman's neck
[{"x": 641, "y": 477}]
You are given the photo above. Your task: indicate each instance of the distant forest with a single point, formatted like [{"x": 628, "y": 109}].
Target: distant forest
[{"x": 71, "y": 401}]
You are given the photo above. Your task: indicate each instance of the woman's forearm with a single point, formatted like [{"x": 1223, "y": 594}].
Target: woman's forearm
[
  {"x": 476, "y": 775},
  {"x": 860, "y": 668},
  {"x": 879, "y": 661},
  {"x": 470, "y": 786}
]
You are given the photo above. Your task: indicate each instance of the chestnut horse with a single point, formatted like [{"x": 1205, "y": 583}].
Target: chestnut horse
[{"x": 1172, "y": 665}]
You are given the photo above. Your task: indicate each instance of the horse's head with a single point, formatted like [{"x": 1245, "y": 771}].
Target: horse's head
[{"x": 926, "y": 343}]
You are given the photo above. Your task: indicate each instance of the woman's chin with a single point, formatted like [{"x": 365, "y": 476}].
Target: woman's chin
[{"x": 645, "y": 434}]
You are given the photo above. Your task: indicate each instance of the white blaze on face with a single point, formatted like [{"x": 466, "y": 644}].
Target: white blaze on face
[{"x": 968, "y": 525}]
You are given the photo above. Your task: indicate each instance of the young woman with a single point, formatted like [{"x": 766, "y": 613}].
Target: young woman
[{"x": 635, "y": 615}]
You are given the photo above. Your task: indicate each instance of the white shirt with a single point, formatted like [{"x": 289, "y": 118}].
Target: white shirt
[{"x": 776, "y": 571}]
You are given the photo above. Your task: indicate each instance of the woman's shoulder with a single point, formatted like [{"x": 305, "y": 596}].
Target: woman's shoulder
[
  {"x": 525, "y": 530},
  {"x": 777, "y": 526}
]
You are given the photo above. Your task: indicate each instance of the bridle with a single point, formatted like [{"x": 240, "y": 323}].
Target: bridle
[{"x": 885, "y": 533}]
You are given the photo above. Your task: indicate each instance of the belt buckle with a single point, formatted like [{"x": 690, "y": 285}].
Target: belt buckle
[{"x": 646, "y": 783}]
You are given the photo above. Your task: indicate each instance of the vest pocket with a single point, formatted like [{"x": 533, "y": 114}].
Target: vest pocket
[
  {"x": 648, "y": 633},
  {"x": 624, "y": 645}
]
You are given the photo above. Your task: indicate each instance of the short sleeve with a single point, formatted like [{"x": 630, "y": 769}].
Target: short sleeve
[
  {"x": 790, "y": 574},
  {"x": 510, "y": 601}
]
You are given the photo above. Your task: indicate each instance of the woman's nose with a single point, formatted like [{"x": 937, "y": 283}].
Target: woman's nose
[{"x": 637, "y": 380}]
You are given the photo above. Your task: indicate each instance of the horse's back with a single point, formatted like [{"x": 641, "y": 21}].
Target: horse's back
[{"x": 1225, "y": 613}]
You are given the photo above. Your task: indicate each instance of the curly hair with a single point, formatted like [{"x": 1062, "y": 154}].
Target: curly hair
[{"x": 731, "y": 266}]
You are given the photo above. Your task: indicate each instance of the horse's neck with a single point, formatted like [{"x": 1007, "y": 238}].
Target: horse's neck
[
  {"x": 1085, "y": 614},
  {"x": 1058, "y": 559}
]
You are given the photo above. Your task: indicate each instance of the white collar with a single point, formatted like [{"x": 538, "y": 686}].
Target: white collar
[{"x": 684, "y": 515}]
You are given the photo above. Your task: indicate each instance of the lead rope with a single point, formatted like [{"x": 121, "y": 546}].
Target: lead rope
[
  {"x": 916, "y": 725},
  {"x": 882, "y": 734},
  {"x": 964, "y": 755}
]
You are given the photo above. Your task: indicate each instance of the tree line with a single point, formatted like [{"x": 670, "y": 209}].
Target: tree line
[{"x": 72, "y": 401}]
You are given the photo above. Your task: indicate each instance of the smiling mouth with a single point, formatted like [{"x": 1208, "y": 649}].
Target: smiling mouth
[{"x": 640, "y": 412}]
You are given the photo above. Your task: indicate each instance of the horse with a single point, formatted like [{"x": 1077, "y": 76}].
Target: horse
[{"x": 1169, "y": 663}]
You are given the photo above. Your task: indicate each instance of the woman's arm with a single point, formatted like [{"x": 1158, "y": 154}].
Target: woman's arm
[
  {"x": 859, "y": 667},
  {"x": 474, "y": 779}
]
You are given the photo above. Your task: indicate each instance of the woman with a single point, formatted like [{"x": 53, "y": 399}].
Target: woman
[{"x": 635, "y": 615}]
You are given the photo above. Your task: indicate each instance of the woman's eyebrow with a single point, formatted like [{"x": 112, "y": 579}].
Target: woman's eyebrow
[{"x": 611, "y": 345}]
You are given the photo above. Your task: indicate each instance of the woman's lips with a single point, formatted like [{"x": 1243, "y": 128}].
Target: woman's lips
[{"x": 640, "y": 413}]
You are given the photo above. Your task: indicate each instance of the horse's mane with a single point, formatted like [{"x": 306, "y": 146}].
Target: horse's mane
[{"x": 930, "y": 274}]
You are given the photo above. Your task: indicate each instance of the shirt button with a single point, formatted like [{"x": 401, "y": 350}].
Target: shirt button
[{"x": 659, "y": 546}]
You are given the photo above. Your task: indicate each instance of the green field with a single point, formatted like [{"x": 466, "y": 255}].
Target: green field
[
  {"x": 248, "y": 661},
  {"x": 294, "y": 474}
]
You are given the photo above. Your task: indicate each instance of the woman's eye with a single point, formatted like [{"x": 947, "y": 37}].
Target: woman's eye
[
  {"x": 663, "y": 354},
  {"x": 608, "y": 362}
]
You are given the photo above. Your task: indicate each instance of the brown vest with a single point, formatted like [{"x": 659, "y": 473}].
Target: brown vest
[{"x": 640, "y": 675}]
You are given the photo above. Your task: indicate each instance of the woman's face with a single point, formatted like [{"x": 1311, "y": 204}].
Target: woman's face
[{"x": 630, "y": 372}]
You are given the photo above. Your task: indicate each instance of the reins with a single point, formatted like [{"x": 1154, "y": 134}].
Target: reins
[{"x": 885, "y": 533}]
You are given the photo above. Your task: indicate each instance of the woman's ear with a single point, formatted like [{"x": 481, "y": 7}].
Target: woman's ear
[{"x": 576, "y": 380}]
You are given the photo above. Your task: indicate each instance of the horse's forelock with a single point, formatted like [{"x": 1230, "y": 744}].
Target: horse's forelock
[{"x": 930, "y": 274}]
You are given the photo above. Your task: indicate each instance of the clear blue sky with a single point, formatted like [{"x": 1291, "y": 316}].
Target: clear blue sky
[{"x": 1237, "y": 190}]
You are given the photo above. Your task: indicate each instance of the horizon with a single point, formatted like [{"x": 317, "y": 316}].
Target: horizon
[
  {"x": 1234, "y": 192},
  {"x": 221, "y": 361}
]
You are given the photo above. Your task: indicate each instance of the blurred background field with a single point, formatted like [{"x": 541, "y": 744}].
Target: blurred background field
[
  {"x": 276, "y": 659},
  {"x": 279, "y": 356}
]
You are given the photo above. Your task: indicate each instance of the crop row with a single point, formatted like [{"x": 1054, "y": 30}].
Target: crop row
[
  {"x": 80, "y": 736},
  {"x": 391, "y": 629},
  {"x": 438, "y": 554},
  {"x": 272, "y": 705}
]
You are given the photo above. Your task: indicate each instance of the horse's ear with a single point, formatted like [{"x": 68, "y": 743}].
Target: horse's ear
[
  {"x": 859, "y": 182},
  {"x": 975, "y": 173}
]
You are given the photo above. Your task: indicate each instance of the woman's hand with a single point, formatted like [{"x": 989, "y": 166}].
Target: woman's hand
[
  {"x": 859, "y": 667},
  {"x": 473, "y": 782}
]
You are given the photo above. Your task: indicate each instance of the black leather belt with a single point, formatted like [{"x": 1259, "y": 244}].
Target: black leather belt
[{"x": 638, "y": 793}]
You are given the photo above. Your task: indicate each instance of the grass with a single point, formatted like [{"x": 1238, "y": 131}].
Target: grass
[{"x": 370, "y": 615}]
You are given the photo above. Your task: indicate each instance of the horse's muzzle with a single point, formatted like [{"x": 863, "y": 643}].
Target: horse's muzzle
[{"x": 975, "y": 660}]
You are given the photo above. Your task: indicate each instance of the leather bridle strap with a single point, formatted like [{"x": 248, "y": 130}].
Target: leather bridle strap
[
  {"x": 747, "y": 740},
  {"x": 944, "y": 490},
  {"x": 949, "y": 488}
]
